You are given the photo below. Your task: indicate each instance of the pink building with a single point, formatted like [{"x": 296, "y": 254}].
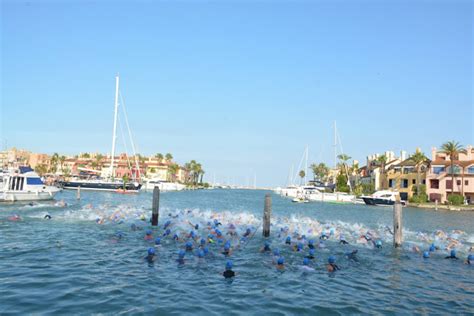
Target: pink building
[{"x": 439, "y": 181}]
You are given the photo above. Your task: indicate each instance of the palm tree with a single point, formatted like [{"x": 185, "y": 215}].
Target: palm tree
[
  {"x": 344, "y": 158},
  {"x": 62, "y": 159},
  {"x": 172, "y": 171},
  {"x": 168, "y": 157},
  {"x": 418, "y": 159},
  {"x": 452, "y": 149},
  {"x": 382, "y": 160},
  {"x": 98, "y": 159},
  {"x": 320, "y": 170},
  {"x": 54, "y": 162},
  {"x": 302, "y": 174},
  {"x": 159, "y": 157}
]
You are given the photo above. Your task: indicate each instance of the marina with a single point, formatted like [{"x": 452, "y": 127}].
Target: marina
[{"x": 108, "y": 258}]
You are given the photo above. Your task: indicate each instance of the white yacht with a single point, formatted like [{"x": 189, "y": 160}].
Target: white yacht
[
  {"x": 163, "y": 185},
  {"x": 25, "y": 185},
  {"x": 384, "y": 197}
]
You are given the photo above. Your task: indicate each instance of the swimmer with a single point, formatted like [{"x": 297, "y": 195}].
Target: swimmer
[
  {"x": 206, "y": 251},
  {"x": 470, "y": 259},
  {"x": 61, "y": 203},
  {"x": 332, "y": 267},
  {"x": 432, "y": 248},
  {"x": 176, "y": 237},
  {"x": 247, "y": 232},
  {"x": 452, "y": 255},
  {"x": 167, "y": 232},
  {"x": 200, "y": 255},
  {"x": 189, "y": 246},
  {"x": 195, "y": 226},
  {"x": 99, "y": 220},
  {"x": 305, "y": 267},
  {"x": 276, "y": 255},
  {"x": 378, "y": 244},
  {"x": 133, "y": 227},
  {"x": 168, "y": 223},
  {"x": 311, "y": 254},
  {"x": 299, "y": 247},
  {"x": 180, "y": 259},
  {"x": 158, "y": 242},
  {"x": 192, "y": 234},
  {"x": 148, "y": 235},
  {"x": 311, "y": 244},
  {"x": 202, "y": 242},
  {"x": 426, "y": 254},
  {"x": 228, "y": 273},
  {"x": 227, "y": 250},
  {"x": 210, "y": 238},
  {"x": 47, "y": 216},
  {"x": 217, "y": 223},
  {"x": 151, "y": 257},
  {"x": 266, "y": 247},
  {"x": 415, "y": 249},
  {"x": 323, "y": 236},
  {"x": 280, "y": 264},
  {"x": 342, "y": 240},
  {"x": 288, "y": 240},
  {"x": 352, "y": 255}
]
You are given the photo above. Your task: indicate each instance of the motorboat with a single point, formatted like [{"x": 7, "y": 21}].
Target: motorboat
[
  {"x": 163, "y": 185},
  {"x": 25, "y": 185},
  {"x": 383, "y": 197}
]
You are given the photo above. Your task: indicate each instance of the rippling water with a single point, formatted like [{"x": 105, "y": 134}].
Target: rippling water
[{"x": 71, "y": 264}]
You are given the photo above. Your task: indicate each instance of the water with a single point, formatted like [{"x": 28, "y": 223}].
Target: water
[{"x": 71, "y": 264}]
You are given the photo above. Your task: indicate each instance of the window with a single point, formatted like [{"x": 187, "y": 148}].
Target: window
[
  {"x": 438, "y": 170},
  {"x": 449, "y": 184},
  {"x": 470, "y": 170},
  {"x": 34, "y": 181},
  {"x": 391, "y": 183},
  {"x": 413, "y": 181},
  {"x": 424, "y": 181},
  {"x": 434, "y": 184},
  {"x": 458, "y": 182},
  {"x": 456, "y": 169},
  {"x": 466, "y": 182},
  {"x": 405, "y": 183}
]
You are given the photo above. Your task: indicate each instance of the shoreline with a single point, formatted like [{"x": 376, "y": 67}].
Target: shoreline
[{"x": 432, "y": 206}]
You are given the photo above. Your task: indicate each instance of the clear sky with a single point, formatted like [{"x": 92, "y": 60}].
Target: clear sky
[{"x": 240, "y": 86}]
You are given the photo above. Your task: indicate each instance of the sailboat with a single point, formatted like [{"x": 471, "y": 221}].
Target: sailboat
[{"x": 107, "y": 183}]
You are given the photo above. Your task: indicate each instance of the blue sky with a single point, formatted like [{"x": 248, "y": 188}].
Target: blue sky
[{"x": 241, "y": 86}]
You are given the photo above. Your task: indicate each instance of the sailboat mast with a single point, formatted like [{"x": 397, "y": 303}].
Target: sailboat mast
[
  {"x": 335, "y": 146},
  {"x": 114, "y": 135},
  {"x": 306, "y": 165}
]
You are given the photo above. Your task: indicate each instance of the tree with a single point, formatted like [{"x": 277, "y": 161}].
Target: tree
[
  {"x": 98, "y": 160},
  {"x": 452, "y": 149},
  {"x": 85, "y": 155},
  {"x": 382, "y": 160},
  {"x": 172, "y": 171},
  {"x": 320, "y": 171},
  {"x": 341, "y": 183},
  {"x": 159, "y": 157},
  {"x": 344, "y": 158},
  {"x": 419, "y": 160},
  {"x": 54, "y": 163},
  {"x": 41, "y": 169},
  {"x": 168, "y": 157},
  {"x": 62, "y": 159},
  {"x": 302, "y": 174}
]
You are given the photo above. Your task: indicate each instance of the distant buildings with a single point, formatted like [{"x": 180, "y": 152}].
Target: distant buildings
[{"x": 439, "y": 180}]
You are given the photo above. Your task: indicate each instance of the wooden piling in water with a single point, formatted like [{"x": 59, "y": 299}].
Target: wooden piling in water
[
  {"x": 78, "y": 196},
  {"x": 397, "y": 224},
  {"x": 155, "y": 212},
  {"x": 267, "y": 212},
  {"x": 436, "y": 204}
]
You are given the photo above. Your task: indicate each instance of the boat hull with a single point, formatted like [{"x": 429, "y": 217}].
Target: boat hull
[
  {"x": 377, "y": 201},
  {"x": 100, "y": 186},
  {"x": 12, "y": 196}
]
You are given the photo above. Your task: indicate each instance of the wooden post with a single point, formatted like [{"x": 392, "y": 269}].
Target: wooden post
[
  {"x": 267, "y": 212},
  {"x": 436, "y": 204},
  {"x": 78, "y": 196},
  {"x": 155, "y": 206},
  {"x": 397, "y": 224}
]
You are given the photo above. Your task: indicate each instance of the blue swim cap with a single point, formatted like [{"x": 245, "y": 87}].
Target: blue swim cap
[
  {"x": 311, "y": 242},
  {"x": 218, "y": 232},
  {"x": 200, "y": 253},
  {"x": 203, "y": 241},
  {"x": 167, "y": 224},
  {"x": 248, "y": 230},
  {"x": 432, "y": 248},
  {"x": 276, "y": 252},
  {"x": 192, "y": 233},
  {"x": 453, "y": 253},
  {"x": 311, "y": 252},
  {"x": 168, "y": 231},
  {"x": 470, "y": 258},
  {"x": 196, "y": 226},
  {"x": 300, "y": 246},
  {"x": 175, "y": 236},
  {"x": 148, "y": 232},
  {"x": 119, "y": 234},
  {"x": 228, "y": 265},
  {"x": 378, "y": 243},
  {"x": 332, "y": 259},
  {"x": 426, "y": 254},
  {"x": 189, "y": 244},
  {"x": 158, "y": 240},
  {"x": 305, "y": 261},
  {"x": 288, "y": 238},
  {"x": 226, "y": 246},
  {"x": 151, "y": 251},
  {"x": 281, "y": 260},
  {"x": 206, "y": 250},
  {"x": 181, "y": 254}
]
